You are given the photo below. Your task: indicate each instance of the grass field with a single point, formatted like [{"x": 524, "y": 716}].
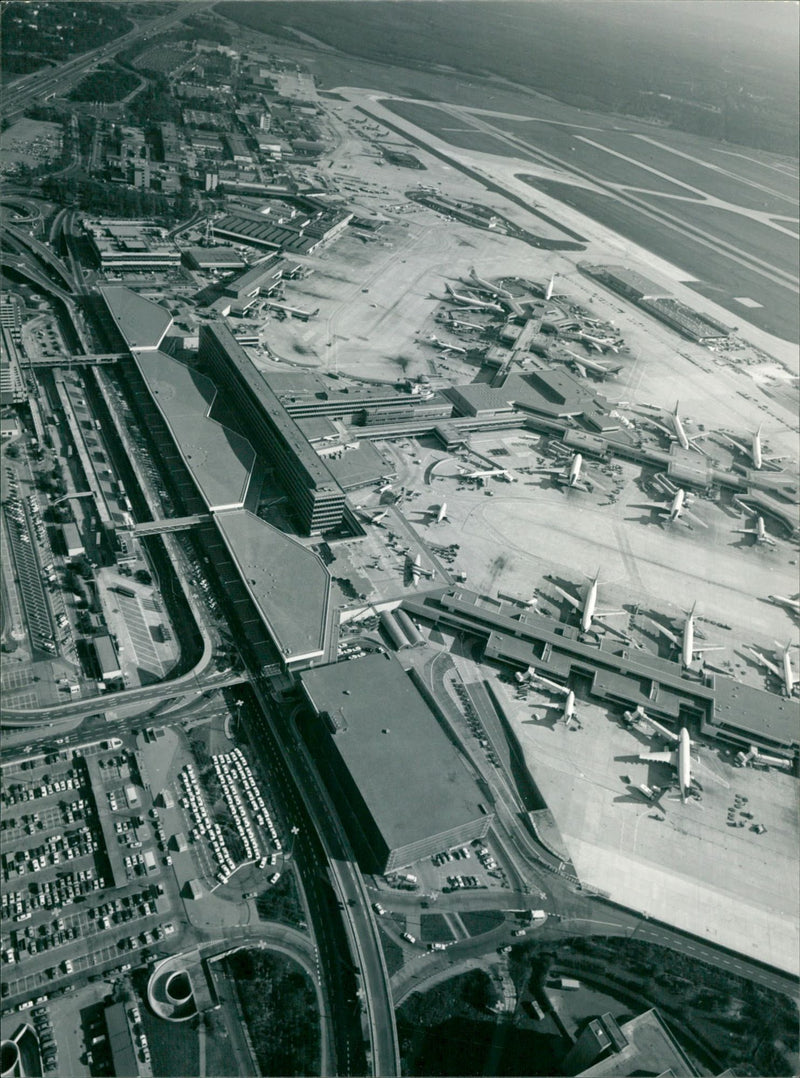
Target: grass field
[
  {"x": 752, "y": 237},
  {"x": 174, "y": 1047},
  {"x": 477, "y": 922},
  {"x": 769, "y": 194}
]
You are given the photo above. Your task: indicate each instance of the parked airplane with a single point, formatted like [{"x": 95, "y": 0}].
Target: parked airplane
[
  {"x": 754, "y": 450},
  {"x": 503, "y": 473},
  {"x": 538, "y": 681},
  {"x": 548, "y": 292},
  {"x": 792, "y": 605},
  {"x": 502, "y": 294},
  {"x": 571, "y": 476},
  {"x": 582, "y": 365},
  {"x": 784, "y": 672},
  {"x": 679, "y": 758},
  {"x": 685, "y": 643},
  {"x": 443, "y": 346},
  {"x": 678, "y": 508},
  {"x": 472, "y": 301},
  {"x": 442, "y": 514},
  {"x": 759, "y": 533},
  {"x": 599, "y": 344},
  {"x": 588, "y": 607},
  {"x": 677, "y": 432}
]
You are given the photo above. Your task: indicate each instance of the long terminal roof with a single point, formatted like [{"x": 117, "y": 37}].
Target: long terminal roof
[
  {"x": 316, "y": 470},
  {"x": 142, "y": 323}
]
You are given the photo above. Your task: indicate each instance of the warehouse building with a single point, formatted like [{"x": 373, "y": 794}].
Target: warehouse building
[
  {"x": 133, "y": 245},
  {"x": 404, "y": 791},
  {"x": 107, "y": 661},
  {"x": 316, "y": 496}
]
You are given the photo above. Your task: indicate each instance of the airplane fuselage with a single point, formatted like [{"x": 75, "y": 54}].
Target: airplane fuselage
[
  {"x": 569, "y": 706},
  {"x": 680, "y": 433},
  {"x": 788, "y": 673},
  {"x": 755, "y": 449},
  {"x": 676, "y": 508},
  {"x": 687, "y": 650},
  {"x": 684, "y": 763},
  {"x": 575, "y": 470},
  {"x": 589, "y": 605}
]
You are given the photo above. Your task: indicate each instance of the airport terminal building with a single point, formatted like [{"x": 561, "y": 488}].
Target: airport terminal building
[
  {"x": 315, "y": 494},
  {"x": 403, "y": 790}
]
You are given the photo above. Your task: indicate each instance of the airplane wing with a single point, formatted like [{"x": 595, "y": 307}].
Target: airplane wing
[
  {"x": 712, "y": 647},
  {"x": 570, "y": 598},
  {"x": 579, "y": 367},
  {"x": 659, "y": 757},
  {"x": 695, "y": 519},
  {"x": 667, "y": 632},
  {"x": 609, "y": 613},
  {"x": 766, "y": 662}
]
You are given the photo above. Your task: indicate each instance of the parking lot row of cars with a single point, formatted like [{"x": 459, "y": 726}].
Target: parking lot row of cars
[
  {"x": 47, "y": 1041},
  {"x": 16, "y": 792},
  {"x": 193, "y": 802},
  {"x": 233, "y": 770}
]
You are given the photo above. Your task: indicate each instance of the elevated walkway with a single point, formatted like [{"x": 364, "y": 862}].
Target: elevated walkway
[{"x": 170, "y": 524}]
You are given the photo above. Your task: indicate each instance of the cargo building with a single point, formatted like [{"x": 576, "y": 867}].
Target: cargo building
[{"x": 404, "y": 791}]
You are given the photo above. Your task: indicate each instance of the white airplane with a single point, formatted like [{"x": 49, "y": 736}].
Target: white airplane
[
  {"x": 443, "y": 346},
  {"x": 759, "y": 533},
  {"x": 680, "y": 758},
  {"x": 582, "y": 365},
  {"x": 548, "y": 292},
  {"x": 754, "y": 450},
  {"x": 678, "y": 432},
  {"x": 571, "y": 476},
  {"x": 499, "y": 472},
  {"x": 685, "y": 642},
  {"x": 678, "y": 508},
  {"x": 442, "y": 514},
  {"x": 454, "y": 323},
  {"x": 538, "y": 681},
  {"x": 792, "y": 605},
  {"x": 588, "y": 607},
  {"x": 599, "y": 344},
  {"x": 472, "y": 301},
  {"x": 784, "y": 672}
]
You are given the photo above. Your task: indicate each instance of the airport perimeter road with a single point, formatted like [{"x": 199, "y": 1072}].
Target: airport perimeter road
[
  {"x": 362, "y": 930},
  {"x": 338, "y": 976}
]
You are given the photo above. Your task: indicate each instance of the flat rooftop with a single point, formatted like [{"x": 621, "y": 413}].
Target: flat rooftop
[
  {"x": 317, "y": 472},
  {"x": 287, "y": 582},
  {"x": 651, "y": 1049},
  {"x": 142, "y": 323},
  {"x": 220, "y": 460},
  {"x": 358, "y": 467},
  {"x": 411, "y": 778}
]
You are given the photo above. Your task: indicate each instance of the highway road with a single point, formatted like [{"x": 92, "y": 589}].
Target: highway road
[{"x": 43, "y": 84}]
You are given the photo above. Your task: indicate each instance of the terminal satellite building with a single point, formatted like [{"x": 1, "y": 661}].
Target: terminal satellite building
[{"x": 403, "y": 789}]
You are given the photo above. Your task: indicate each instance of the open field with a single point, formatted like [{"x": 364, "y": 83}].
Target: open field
[
  {"x": 772, "y": 245},
  {"x": 725, "y": 884}
]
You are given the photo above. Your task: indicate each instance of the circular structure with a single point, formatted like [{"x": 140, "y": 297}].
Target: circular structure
[
  {"x": 170, "y": 992},
  {"x": 10, "y": 1062},
  {"x": 178, "y": 988}
]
